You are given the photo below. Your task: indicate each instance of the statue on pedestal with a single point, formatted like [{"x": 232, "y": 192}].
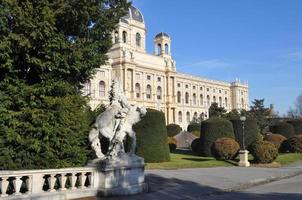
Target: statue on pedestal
[{"x": 115, "y": 123}]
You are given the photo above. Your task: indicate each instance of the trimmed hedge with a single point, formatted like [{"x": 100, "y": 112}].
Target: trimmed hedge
[
  {"x": 275, "y": 139},
  {"x": 251, "y": 132},
  {"x": 194, "y": 126},
  {"x": 264, "y": 152},
  {"x": 297, "y": 124},
  {"x": 293, "y": 145},
  {"x": 211, "y": 130},
  {"x": 283, "y": 128},
  {"x": 173, "y": 129},
  {"x": 225, "y": 149},
  {"x": 152, "y": 138},
  {"x": 196, "y": 146}
]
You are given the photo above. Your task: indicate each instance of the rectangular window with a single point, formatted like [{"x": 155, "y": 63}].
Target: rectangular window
[
  {"x": 187, "y": 86},
  {"x": 178, "y": 84},
  {"x": 158, "y": 79},
  {"x": 194, "y": 87},
  {"x": 200, "y": 88},
  {"x": 208, "y": 89},
  {"x": 137, "y": 76},
  {"x": 148, "y": 77}
]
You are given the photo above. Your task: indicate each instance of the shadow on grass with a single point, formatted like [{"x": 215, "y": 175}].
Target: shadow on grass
[
  {"x": 183, "y": 152},
  {"x": 198, "y": 159}
]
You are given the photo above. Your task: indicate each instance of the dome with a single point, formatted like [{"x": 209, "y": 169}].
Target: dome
[
  {"x": 134, "y": 14},
  {"x": 162, "y": 34}
]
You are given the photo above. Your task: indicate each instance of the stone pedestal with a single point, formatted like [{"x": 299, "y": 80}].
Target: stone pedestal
[
  {"x": 122, "y": 175},
  {"x": 244, "y": 160}
]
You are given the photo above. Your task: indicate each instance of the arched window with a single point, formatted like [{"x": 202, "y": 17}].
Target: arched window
[
  {"x": 201, "y": 99},
  {"x": 194, "y": 99},
  {"x": 159, "y": 49},
  {"x": 208, "y": 100},
  {"x": 195, "y": 116},
  {"x": 148, "y": 92},
  {"x": 87, "y": 88},
  {"x": 187, "y": 98},
  {"x": 102, "y": 89},
  {"x": 178, "y": 97},
  {"x": 188, "y": 117},
  {"x": 214, "y": 99},
  {"x": 202, "y": 116},
  {"x": 158, "y": 92},
  {"x": 137, "y": 90},
  {"x": 166, "y": 49},
  {"x": 124, "y": 36},
  {"x": 116, "y": 37},
  {"x": 220, "y": 101},
  {"x": 138, "y": 39},
  {"x": 180, "y": 116},
  {"x": 226, "y": 102}
]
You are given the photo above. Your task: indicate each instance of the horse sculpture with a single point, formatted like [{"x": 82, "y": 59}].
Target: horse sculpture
[{"x": 115, "y": 123}]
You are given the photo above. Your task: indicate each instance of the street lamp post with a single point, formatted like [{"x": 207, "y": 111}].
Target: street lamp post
[
  {"x": 242, "y": 119},
  {"x": 243, "y": 153}
]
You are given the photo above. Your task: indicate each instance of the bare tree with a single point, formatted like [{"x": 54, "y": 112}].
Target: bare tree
[{"x": 296, "y": 112}]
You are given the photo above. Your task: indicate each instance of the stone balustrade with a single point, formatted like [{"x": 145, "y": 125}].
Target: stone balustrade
[{"x": 55, "y": 183}]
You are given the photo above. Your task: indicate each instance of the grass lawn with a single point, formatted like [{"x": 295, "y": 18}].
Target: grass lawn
[
  {"x": 184, "y": 159},
  {"x": 289, "y": 158}
]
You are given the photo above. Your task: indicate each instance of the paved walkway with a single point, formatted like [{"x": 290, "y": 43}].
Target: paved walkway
[{"x": 206, "y": 183}]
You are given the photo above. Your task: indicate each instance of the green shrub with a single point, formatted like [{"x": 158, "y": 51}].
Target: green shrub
[
  {"x": 251, "y": 132},
  {"x": 196, "y": 146},
  {"x": 283, "y": 128},
  {"x": 211, "y": 130},
  {"x": 225, "y": 149},
  {"x": 264, "y": 152},
  {"x": 172, "y": 143},
  {"x": 297, "y": 124},
  {"x": 152, "y": 139},
  {"x": 173, "y": 129},
  {"x": 293, "y": 145},
  {"x": 275, "y": 139},
  {"x": 193, "y": 126}
]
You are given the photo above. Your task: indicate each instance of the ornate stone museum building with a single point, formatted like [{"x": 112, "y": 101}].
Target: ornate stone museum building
[{"x": 153, "y": 81}]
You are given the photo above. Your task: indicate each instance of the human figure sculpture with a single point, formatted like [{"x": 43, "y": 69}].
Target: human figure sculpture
[{"x": 115, "y": 123}]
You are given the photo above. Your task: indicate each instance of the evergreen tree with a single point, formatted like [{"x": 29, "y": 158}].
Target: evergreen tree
[
  {"x": 48, "y": 50},
  {"x": 216, "y": 111},
  {"x": 260, "y": 113}
]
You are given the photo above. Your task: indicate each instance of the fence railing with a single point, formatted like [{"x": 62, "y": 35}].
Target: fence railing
[{"x": 40, "y": 182}]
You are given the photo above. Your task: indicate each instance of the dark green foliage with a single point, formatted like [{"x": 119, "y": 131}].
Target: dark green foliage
[
  {"x": 251, "y": 132},
  {"x": 292, "y": 145},
  {"x": 173, "y": 129},
  {"x": 48, "y": 49},
  {"x": 211, "y": 130},
  {"x": 216, "y": 111},
  {"x": 283, "y": 128},
  {"x": 297, "y": 124},
  {"x": 260, "y": 113},
  {"x": 152, "y": 139},
  {"x": 196, "y": 146},
  {"x": 225, "y": 149},
  {"x": 193, "y": 126},
  {"x": 264, "y": 152},
  {"x": 232, "y": 115},
  {"x": 275, "y": 139}
]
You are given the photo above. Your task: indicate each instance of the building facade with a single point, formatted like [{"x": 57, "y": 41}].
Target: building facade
[{"x": 153, "y": 81}]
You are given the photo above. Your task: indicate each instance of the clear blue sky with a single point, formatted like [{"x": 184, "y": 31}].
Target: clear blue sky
[{"x": 257, "y": 41}]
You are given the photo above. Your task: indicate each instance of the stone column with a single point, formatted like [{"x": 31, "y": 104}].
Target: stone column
[{"x": 244, "y": 160}]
